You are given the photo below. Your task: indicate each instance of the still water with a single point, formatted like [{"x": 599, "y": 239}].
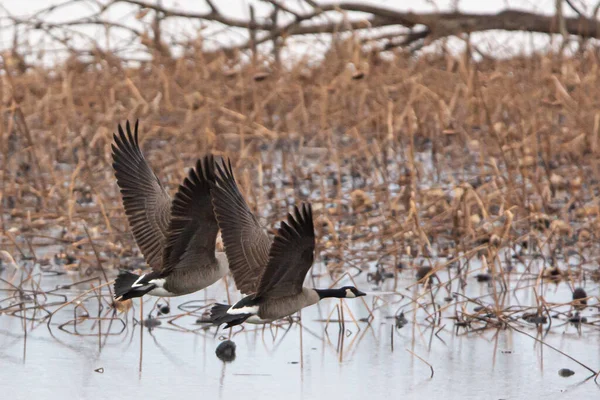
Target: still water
[{"x": 298, "y": 362}]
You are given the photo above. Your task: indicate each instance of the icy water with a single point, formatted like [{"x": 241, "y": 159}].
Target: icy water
[{"x": 308, "y": 362}]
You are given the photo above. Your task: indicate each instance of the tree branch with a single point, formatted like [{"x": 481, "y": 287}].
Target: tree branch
[
  {"x": 420, "y": 28},
  {"x": 439, "y": 24},
  {"x": 574, "y": 8},
  {"x": 213, "y": 15}
]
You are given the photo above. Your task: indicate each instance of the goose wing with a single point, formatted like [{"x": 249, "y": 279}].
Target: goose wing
[
  {"x": 291, "y": 256},
  {"x": 246, "y": 242},
  {"x": 146, "y": 202},
  {"x": 193, "y": 228}
]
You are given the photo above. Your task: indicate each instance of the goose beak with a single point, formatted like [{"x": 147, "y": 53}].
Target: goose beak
[{"x": 359, "y": 293}]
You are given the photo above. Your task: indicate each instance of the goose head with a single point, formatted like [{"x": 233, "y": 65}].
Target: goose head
[{"x": 351, "y": 292}]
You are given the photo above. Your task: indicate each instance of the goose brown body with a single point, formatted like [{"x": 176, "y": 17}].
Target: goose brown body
[{"x": 286, "y": 305}]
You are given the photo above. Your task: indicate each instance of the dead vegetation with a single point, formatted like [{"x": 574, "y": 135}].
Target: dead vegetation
[{"x": 456, "y": 171}]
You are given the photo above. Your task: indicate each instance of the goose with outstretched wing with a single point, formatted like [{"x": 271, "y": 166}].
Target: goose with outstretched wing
[
  {"x": 177, "y": 237},
  {"x": 270, "y": 272}
]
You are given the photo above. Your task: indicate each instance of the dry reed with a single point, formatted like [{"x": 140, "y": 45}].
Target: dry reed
[{"x": 463, "y": 168}]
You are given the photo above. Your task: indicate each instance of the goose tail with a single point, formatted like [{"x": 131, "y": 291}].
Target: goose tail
[
  {"x": 219, "y": 315},
  {"x": 128, "y": 285}
]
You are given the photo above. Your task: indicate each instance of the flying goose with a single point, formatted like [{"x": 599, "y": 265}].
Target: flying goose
[
  {"x": 269, "y": 272},
  {"x": 177, "y": 238}
]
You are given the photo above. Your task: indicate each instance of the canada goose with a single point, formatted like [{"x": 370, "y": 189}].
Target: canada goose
[
  {"x": 177, "y": 238},
  {"x": 269, "y": 272}
]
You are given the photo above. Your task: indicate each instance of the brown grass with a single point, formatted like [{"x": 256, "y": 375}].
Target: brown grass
[
  {"x": 466, "y": 142},
  {"x": 407, "y": 158}
]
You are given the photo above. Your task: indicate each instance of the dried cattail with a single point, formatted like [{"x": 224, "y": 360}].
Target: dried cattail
[{"x": 360, "y": 199}]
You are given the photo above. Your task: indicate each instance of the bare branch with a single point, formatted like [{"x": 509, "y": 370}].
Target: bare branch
[
  {"x": 212, "y": 7},
  {"x": 574, "y": 8},
  {"x": 417, "y": 28},
  {"x": 277, "y": 5},
  {"x": 213, "y": 15}
]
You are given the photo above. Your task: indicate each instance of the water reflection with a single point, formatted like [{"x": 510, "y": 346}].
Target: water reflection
[{"x": 109, "y": 354}]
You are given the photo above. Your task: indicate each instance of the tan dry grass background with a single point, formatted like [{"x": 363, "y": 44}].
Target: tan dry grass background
[{"x": 501, "y": 150}]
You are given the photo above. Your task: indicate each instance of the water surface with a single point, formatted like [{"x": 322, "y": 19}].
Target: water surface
[{"x": 294, "y": 362}]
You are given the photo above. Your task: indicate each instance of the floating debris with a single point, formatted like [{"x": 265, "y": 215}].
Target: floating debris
[
  {"x": 577, "y": 319},
  {"x": 483, "y": 277},
  {"x": 423, "y": 271},
  {"x": 164, "y": 309},
  {"x": 534, "y": 318},
  {"x": 580, "y": 297},
  {"x": 401, "y": 320},
  {"x": 565, "y": 372},
  {"x": 553, "y": 274},
  {"x": 226, "y": 351},
  {"x": 379, "y": 276},
  {"x": 99, "y": 370},
  {"x": 84, "y": 197},
  {"x": 64, "y": 259},
  {"x": 151, "y": 322}
]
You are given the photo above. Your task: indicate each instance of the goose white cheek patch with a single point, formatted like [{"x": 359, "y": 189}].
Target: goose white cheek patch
[{"x": 349, "y": 293}]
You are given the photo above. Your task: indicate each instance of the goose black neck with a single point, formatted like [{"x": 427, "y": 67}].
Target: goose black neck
[{"x": 325, "y": 293}]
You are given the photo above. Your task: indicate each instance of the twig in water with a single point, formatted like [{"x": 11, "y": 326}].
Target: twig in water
[{"x": 431, "y": 377}]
